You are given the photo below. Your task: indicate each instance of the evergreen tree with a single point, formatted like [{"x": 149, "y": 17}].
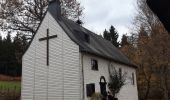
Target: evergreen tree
[
  {"x": 111, "y": 36},
  {"x": 8, "y": 38},
  {"x": 20, "y": 45},
  {"x": 9, "y": 63},
  {"x": 114, "y": 36},
  {"x": 25, "y": 43},
  {"x": 0, "y": 39},
  {"x": 124, "y": 41},
  {"x": 106, "y": 35},
  {"x": 7, "y": 59},
  {"x": 8, "y": 49},
  {"x": 1, "y": 48}
]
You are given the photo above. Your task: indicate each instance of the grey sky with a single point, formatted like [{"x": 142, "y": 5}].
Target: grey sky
[{"x": 101, "y": 14}]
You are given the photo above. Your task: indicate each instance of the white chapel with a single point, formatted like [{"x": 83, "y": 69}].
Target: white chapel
[{"x": 66, "y": 61}]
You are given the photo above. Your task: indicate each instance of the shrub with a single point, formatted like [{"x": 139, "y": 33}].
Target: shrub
[
  {"x": 116, "y": 81},
  {"x": 96, "y": 96}
]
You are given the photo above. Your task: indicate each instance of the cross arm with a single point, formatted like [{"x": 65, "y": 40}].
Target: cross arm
[{"x": 46, "y": 38}]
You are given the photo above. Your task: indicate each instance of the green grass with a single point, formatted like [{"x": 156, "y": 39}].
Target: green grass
[{"x": 10, "y": 86}]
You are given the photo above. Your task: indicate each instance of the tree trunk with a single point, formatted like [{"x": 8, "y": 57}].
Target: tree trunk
[{"x": 147, "y": 90}]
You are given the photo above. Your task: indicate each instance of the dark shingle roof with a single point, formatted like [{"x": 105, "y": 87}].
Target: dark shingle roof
[{"x": 96, "y": 46}]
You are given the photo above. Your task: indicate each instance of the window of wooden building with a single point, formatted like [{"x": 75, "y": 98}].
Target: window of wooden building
[
  {"x": 94, "y": 65},
  {"x": 133, "y": 79}
]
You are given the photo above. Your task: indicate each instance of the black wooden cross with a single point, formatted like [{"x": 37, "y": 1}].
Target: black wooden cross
[{"x": 48, "y": 38}]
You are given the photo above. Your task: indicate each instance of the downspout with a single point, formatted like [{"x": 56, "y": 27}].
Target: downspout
[{"x": 82, "y": 56}]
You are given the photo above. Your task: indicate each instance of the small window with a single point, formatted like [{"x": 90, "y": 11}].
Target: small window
[
  {"x": 94, "y": 64},
  {"x": 133, "y": 79},
  {"x": 90, "y": 89},
  {"x": 87, "y": 38}
]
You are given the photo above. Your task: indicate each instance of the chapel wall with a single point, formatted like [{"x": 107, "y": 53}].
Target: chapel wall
[
  {"x": 128, "y": 92},
  {"x": 61, "y": 79}
]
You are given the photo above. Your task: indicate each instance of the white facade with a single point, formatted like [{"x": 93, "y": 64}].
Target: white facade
[
  {"x": 128, "y": 92},
  {"x": 68, "y": 69},
  {"x": 61, "y": 79}
]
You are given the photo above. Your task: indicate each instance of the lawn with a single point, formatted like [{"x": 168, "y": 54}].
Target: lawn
[{"x": 10, "y": 86}]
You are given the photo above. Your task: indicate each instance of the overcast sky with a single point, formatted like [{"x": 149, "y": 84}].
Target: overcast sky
[{"x": 101, "y": 14}]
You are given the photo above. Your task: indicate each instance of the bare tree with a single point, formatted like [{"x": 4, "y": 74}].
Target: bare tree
[
  {"x": 145, "y": 17},
  {"x": 150, "y": 52},
  {"x": 151, "y": 55},
  {"x": 25, "y": 15}
]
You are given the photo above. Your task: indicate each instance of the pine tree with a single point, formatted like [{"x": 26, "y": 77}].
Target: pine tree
[
  {"x": 0, "y": 38},
  {"x": 11, "y": 54},
  {"x": 124, "y": 41},
  {"x": 106, "y": 35},
  {"x": 8, "y": 49},
  {"x": 8, "y": 38},
  {"x": 111, "y": 36},
  {"x": 1, "y": 48},
  {"x": 114, "y": 36},
  {"x": 20, "y": 45}
]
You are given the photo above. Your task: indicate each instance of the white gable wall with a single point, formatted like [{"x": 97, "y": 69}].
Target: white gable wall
[
  {"x": 128, "y": 92},
  {"x": 61, "y": 79}
]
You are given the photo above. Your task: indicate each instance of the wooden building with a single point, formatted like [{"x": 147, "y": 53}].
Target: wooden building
[{"x": 64, "y": 59}]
